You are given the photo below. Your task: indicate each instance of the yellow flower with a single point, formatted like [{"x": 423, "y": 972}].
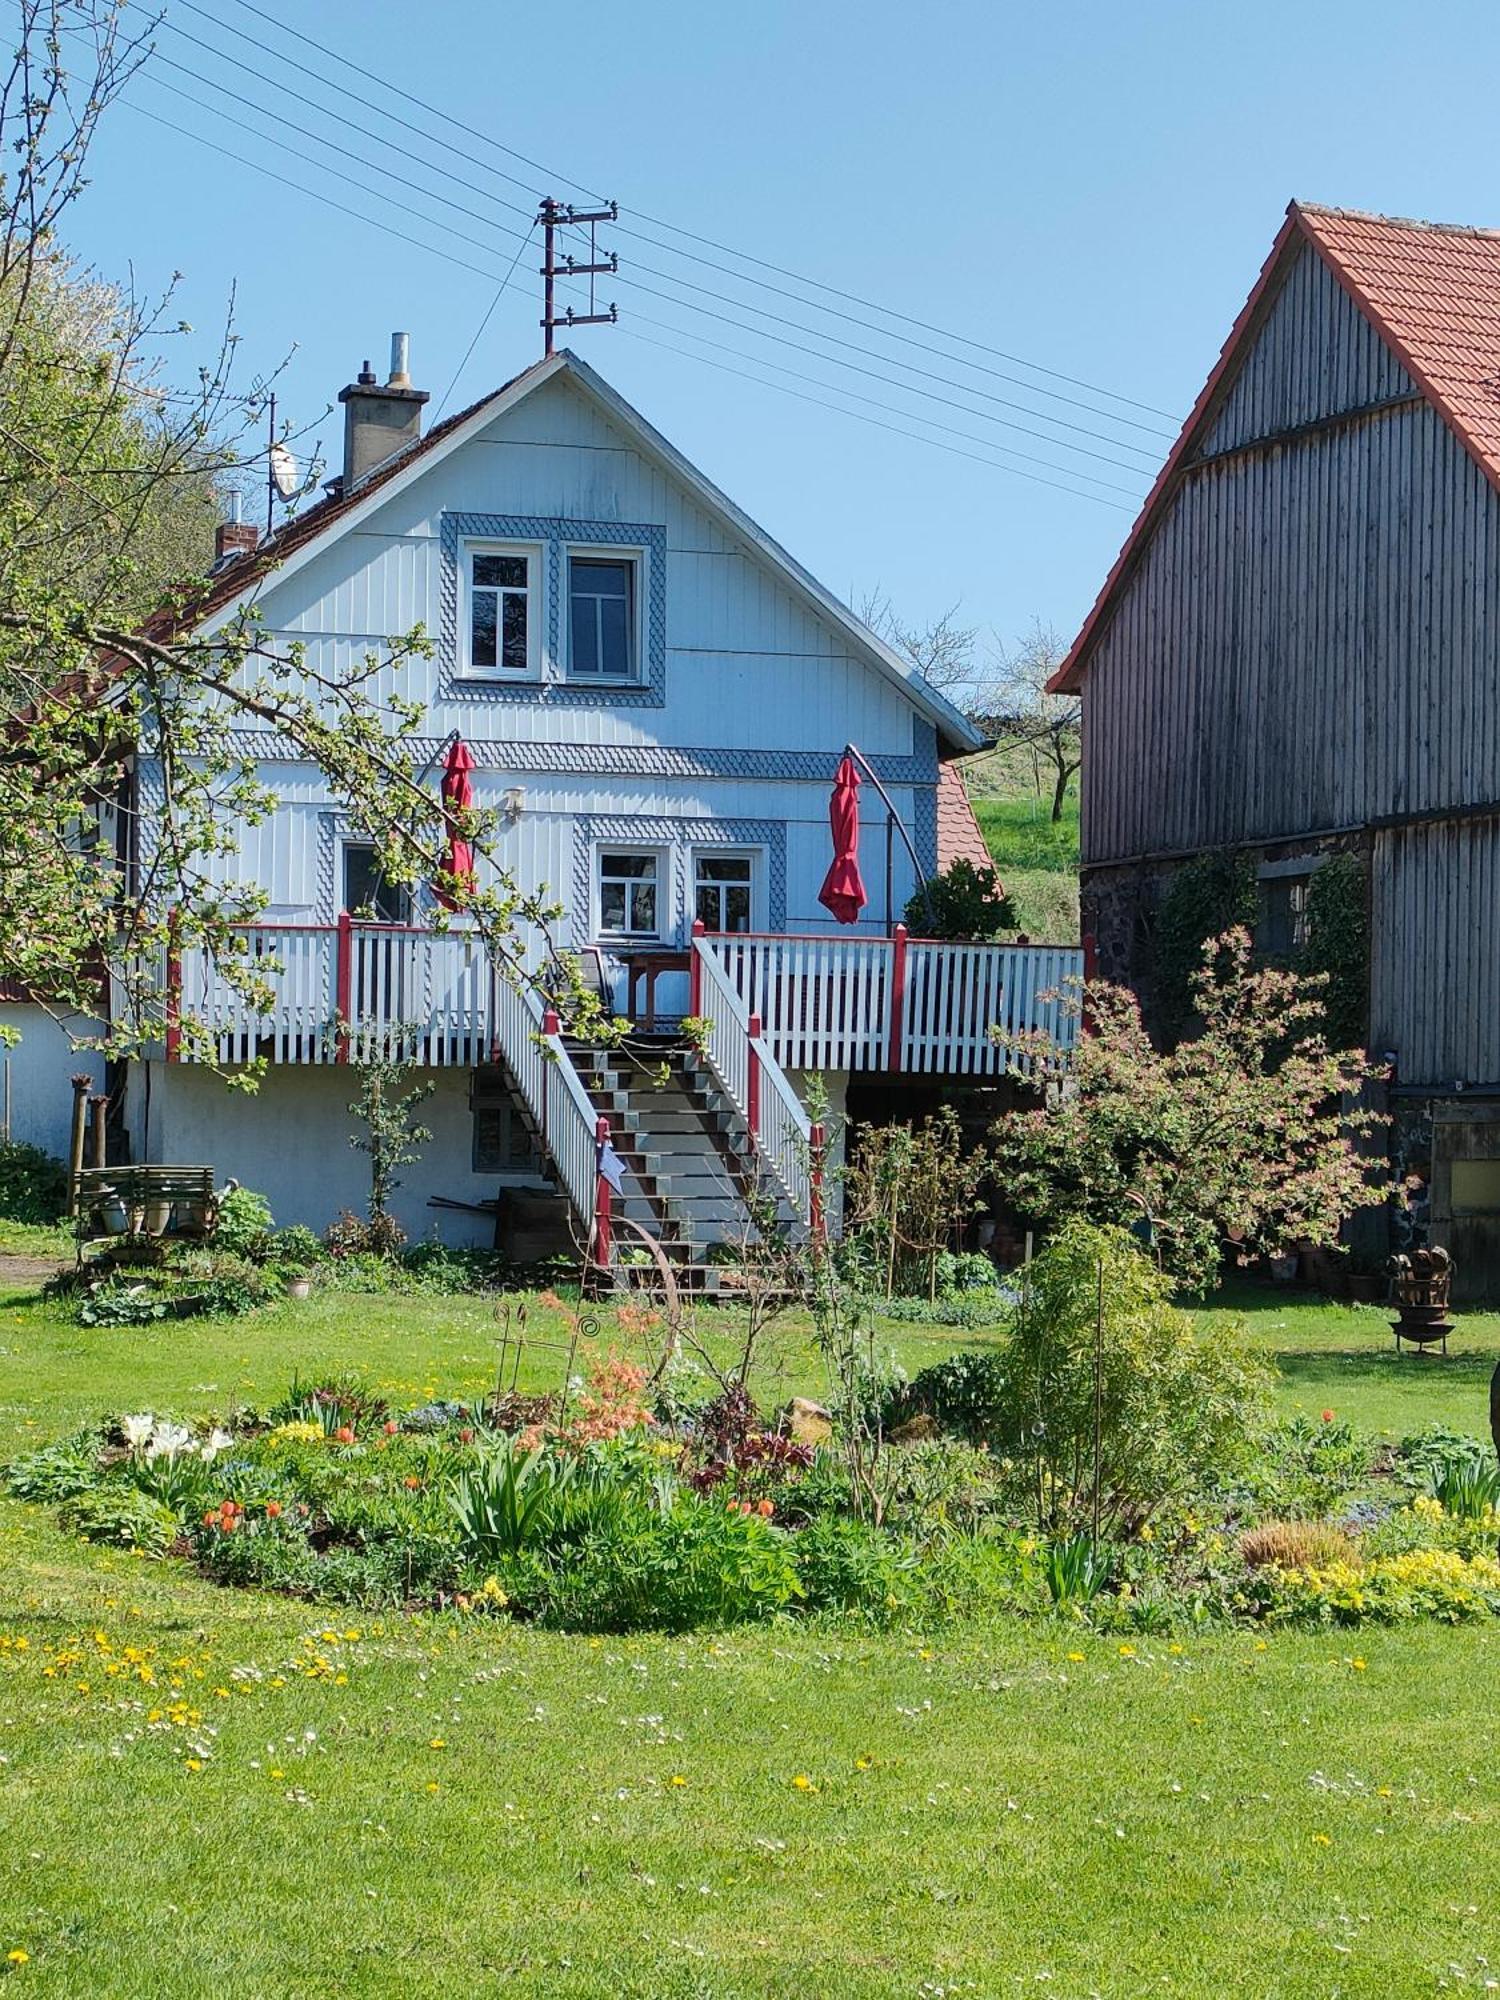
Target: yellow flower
[
  {"x": 1323, "y": 1839},
  {"x": 18, "y": 1957},
  {"x": 863, "y": 1763},
  {"x": 278, "y": 1774},
  {"x": 677, "y": 1779},
  {"x": 1127, "y": 1652},
  {"x": 802, "y": 1783},
  {"x": 1075, "y": 1656},
  {"x": 434, "y": 1786},
  {"x": 1358, "y": 1666},
  {"x": 195, "y": 1763},
  {"x": 438, "y": 1743}
]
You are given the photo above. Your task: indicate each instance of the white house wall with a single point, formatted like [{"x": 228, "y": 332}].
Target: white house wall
[
  {"x": 36, "y": 1076},
  {"x": 759, "y": 697}
]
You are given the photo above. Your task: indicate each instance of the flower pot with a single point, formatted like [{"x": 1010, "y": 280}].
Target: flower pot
[
  {"x": 112, "y": 1216},
  {"x": 298, "y": 1288},
  {"x": 157, "y": 1217}
]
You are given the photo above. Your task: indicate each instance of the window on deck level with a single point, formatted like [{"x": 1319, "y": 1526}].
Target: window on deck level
[
  {"x": 721, "y": 891},
  {"x": 366, "y": 890},
  {"x": 601, "y": 618},
  {"x": 628, "y": 895},
  {"x": 499, "y": 612}
]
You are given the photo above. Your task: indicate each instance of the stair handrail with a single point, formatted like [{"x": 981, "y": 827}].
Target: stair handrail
[
  {"x": 528, "y": 1038},
  {"x": 740, "y": 1059}
]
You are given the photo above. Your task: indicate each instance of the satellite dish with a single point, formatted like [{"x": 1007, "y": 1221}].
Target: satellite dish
[{"x": 285, "y": 476}]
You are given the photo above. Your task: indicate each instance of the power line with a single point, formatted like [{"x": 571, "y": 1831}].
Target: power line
[
  {"x": 479, "y": 330},
  {"x": 488, "y": 140},
  {"x": 670, "y": 298},
  {"x": 374, "y": 222}
]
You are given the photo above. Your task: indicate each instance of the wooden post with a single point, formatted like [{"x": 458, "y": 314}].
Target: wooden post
[
  {"x": 603, "y": 1198},
  {"x": 343, "y": 985},
  {"x": 695, "y": 971},
  {"x": 816, "y": 1143},
  {"x": 1090, "y": 974},
  {"x": 897, "y": 997},
  {"x": 97, "y": 1108},
  {"x": 75, "y": 1143},
  {"x": 752, "y": 1079},
  {"x": 174, "y": 989}
]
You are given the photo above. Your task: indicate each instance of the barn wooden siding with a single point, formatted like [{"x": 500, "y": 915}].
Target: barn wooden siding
[
  {"x": 1435, "y": 960},
  {"x": 1311, "y": 638}
]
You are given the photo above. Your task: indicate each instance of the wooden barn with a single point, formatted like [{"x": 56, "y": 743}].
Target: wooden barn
[{"x": 1297, "y": 656}]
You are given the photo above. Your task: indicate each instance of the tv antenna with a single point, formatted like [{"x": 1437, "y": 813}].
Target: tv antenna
[{"x": 555, "y": 215}]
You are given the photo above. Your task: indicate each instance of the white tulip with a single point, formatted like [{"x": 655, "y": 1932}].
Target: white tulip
[
  {"x": 216, "y": 1442},
  {"x": 137, "y": 1429}
]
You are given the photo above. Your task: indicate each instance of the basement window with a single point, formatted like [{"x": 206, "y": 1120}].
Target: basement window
[{"x": 502, "y": 1144}]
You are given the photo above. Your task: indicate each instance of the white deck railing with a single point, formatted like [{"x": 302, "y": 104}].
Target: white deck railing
[
  {"x": 736, "y": 1050},
  {"x": 898, "y": 1004}
]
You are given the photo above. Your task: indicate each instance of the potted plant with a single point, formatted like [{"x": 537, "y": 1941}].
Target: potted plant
[{"x": 295, "y": 1255}]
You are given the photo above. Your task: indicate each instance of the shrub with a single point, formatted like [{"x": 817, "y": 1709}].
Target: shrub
[
  {"x": 1099, "y": 1342},
  {"x": 1423, "y": 1583},
  {"x": 58, "y": 1471},
  {"x": 116, "y": 1303},
  {"x": 849, "y": 1566},
  {"x": 965, "y": 1394},
  {"x": 927, "y": 1487},
  {"x": 243, "y": 1223},
  {"x": 350, "y": 1235},
  {"x": 33, "y": 1185},
  {"x": 296, "y": 1248},
  {"x": 697, "y": 1564},
  {"x": 967, "y": 902},
  {"x": 1295, "y": 1545},
  {"x": 124, "y": 1517}
]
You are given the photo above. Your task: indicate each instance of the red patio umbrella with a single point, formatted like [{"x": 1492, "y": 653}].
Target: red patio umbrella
[
  {"x": 458, "y": 854},
  {"x": 843, "y": 892}
]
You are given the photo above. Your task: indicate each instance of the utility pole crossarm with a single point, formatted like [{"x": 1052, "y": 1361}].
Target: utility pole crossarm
[{"x": 552, "y": 216}]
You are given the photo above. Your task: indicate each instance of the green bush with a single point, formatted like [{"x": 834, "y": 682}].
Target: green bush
[
  {"x": 33, "y": 1185},
  {"x": 967, "y": 902},
  {"x": 297, "y": 1248},
  {"x": 244, "y": 1223},
  {"x": 1100, "y": 1344},
  {"x": 124, "y": 1517},
  {"x": 58, "y": 1471},
  {"x": 119, "y": 1303},
  {"x": 696, "y": 1565},
  {"x": 851, "y": 1567},
  {"x": 965, "y": 1394}
]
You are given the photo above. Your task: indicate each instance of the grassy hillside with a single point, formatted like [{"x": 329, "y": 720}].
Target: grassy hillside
[{"x": 1037, "y": 859}]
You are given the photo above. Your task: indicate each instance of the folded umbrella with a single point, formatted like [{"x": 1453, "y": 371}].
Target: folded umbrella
[{"x": 843, "y": 892}]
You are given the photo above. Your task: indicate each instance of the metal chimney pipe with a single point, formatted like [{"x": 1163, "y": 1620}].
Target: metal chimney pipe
[{"x": 400, "y": 356}]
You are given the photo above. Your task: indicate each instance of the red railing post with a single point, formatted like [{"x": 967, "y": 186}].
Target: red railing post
[
  {"x": 603, "y": 1197},
  {"x": 752, "y": 1079},
  {"x": 343, "y": 983},
  {"x": 695, "y": 971},
  {"x": 816, "y": 1143},
  {"x": 174, "y": 989},
  {"x": 897, "y": 997}
]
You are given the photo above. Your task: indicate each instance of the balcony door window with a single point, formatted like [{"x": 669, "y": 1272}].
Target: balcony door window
[
  {"x": 722, "y": 891},
  {"x": 367, "y": 893},
  {"x": 630, "y": 895}
]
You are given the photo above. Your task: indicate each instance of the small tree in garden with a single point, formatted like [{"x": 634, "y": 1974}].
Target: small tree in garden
[
  {"x": 908, "y": 1192},
  {"x": 1115, "y": 1405},
  {"x": 1246, "y": 1134},
  {"x": 966, "y": 903},
  {"x": 391, "y": 1136}
]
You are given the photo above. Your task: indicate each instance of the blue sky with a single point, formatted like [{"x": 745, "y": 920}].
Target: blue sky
[{"x": 1090, "y": 187}]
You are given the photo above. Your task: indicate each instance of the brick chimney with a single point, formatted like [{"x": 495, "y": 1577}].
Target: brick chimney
[
  {"x": 380, "y": 418},
  {"x": 234, "y": 538}
]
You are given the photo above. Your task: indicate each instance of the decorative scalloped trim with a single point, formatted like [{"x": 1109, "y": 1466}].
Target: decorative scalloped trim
[{"x": 680, "y": 835}]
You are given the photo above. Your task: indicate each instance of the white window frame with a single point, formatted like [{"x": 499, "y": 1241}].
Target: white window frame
[
  {"x": 639, "y": 557},
  {"x": 533, "y": 554},
  {"x": 729, "y": 851},
  {"x": 665, "y": 927}
]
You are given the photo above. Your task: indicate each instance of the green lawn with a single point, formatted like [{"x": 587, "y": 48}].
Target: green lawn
[
  {"x": 1036, "y": 858},
  {"x": 433, "y": 1806}
]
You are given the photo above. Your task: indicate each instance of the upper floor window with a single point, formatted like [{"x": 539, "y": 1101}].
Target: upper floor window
[
  {"x": 601, "y": 618},
  {"x": 721, "y": 891},
  {"x": 367, "y": 893},
  {"x": 504, "y": 625},
  {"x": 628, "y": 885}
]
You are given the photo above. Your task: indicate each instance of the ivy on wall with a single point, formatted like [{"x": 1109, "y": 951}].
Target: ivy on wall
[
  {"x": 1205, "y": 897},
  {"x": 1338, "y": 946}
]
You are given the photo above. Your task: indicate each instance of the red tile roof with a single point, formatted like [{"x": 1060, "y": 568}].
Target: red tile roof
[
  {"x": 1432, "y": 290},
  {"x": 958, "y": 831}
]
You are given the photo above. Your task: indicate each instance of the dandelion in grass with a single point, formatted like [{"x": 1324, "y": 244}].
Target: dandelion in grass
[{"x": 803, "y": 1783}]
